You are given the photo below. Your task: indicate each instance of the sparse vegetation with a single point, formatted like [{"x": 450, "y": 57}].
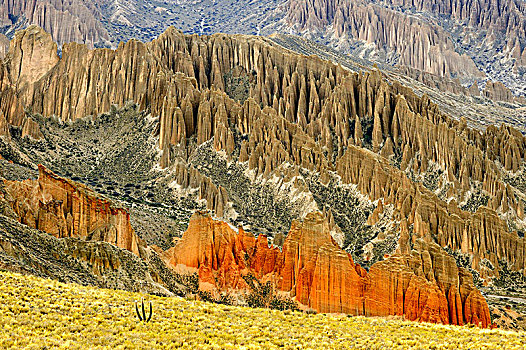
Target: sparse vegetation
[
  {"x": 41, "y": 313},
  {"x": 263, "y": 295}
]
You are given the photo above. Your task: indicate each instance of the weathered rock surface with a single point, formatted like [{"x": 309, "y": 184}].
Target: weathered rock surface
[
  {"x": 499, "y": 92},
  {"x": 461, "y": 39},
  {"x": 32, "y": 54},
  {"x": 417, "y": 43},
  {"x": 169, "y": 76},
  {"x": 66, "y": 21},
  {"x": 4, "y": 45},
  {"x": 100, "y": 264},
  {"x": 64, "y": 208},
  {"x": 297, "y": 117},
  {"x": 451, "y": 39},
  {"x": 423, "y": 285}
]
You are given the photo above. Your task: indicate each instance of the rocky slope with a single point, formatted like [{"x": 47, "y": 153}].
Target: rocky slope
[
  {"x": 65, "y": 209},
  {"x": 86, "y": 262},
  {"x": 461, "y": 52},
  {"x": 105, "y": 23},
  {"x": 66, "y": 21},
  {"x": 417, "y": 43},
  {"x": 260, "y": 136},
  {"x": 312, "y": 268},
  {"x": 475, "y": 41},
  {"x": 450, "y": 95},
  {"x": 460, "y": 39}
]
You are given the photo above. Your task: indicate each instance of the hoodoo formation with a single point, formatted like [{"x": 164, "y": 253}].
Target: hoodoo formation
[{"x": 414, "y": 201}]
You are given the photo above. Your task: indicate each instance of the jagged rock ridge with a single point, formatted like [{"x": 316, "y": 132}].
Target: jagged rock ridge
[
  {"x": 301, "y": 115},
  {"x": 66, "y": 209},
  {"x": 318, "y": 274},
  {"x": 195, "y": 112},
  {"x": 464, "y": 39}
]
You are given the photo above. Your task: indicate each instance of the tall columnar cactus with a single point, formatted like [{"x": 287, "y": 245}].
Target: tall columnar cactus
[{"x": 143, "y": 316}]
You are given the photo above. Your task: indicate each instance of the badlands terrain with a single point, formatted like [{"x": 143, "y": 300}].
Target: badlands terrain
[
  {"x": 339, "y": 172},
  {"x": 342, "y": 192}
]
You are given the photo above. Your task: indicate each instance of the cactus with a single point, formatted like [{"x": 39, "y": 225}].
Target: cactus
[{"x": 143, "y": 317}]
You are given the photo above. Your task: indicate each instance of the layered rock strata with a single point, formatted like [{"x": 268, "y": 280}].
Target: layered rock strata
[
  {"x": 64, "y": 208},
  {"x": 424, "y": 284},
  {"x": 299, "y": 113}
]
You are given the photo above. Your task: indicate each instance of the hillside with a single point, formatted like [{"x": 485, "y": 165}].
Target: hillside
[
  {"x": 345, "y": 191},
  {"x": 46, "y": 313},
  {"x": 479, "y": 43}
]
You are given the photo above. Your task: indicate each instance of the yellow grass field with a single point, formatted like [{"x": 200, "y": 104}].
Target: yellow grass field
[{"x": 38, "y": 313}]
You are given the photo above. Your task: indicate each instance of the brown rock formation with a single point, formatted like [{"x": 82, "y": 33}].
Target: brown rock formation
[
  {"x": 417, "y": 43},
  {"x": 64, "y": 208},
  {"x": 4, "y": 45},
  {"x": 66, "y": 21},
  {"x": 32, "y": 54},
  {"x": 415, "y": 34},
  {"x": 310, "y": 125},
  {"x": 423, "y": 285},
  {"x": 498, "y": 92},
  {"x": 482, "y": 234},
  {"x": 444, "y": 84},
  {"x": 305, "y": 113}
]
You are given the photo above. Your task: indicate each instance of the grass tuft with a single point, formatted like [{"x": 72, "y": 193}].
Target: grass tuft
[{"x": 38, "y": 313}]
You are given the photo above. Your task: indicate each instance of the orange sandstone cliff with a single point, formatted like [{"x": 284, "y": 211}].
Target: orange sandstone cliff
[
  {"x": 424, "y": 284},
  {"x": 65, "y": 208}
]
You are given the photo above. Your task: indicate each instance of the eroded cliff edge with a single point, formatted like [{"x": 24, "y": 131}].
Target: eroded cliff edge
[
  {"x": 307, "y": 129},
  {"x": 423, "y": 285}
]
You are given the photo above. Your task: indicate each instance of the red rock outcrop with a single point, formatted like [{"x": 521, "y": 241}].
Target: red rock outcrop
[
  {"x": 316, "y": 271},
  {"x": 423, "y": 285},
  {"x": 217, "y": 252},
  {"x": 64, "y": 208}
]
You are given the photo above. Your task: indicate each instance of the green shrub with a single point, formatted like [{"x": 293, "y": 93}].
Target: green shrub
[{"x": 263, "y": 295}]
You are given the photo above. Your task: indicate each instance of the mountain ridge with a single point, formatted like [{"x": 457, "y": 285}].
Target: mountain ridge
[{"x": 260, "y": 135}]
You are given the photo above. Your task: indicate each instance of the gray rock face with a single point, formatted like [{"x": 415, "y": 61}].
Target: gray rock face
[
  {"x": 66, "y": 21},
  {"x": 466, "y": 39}
]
